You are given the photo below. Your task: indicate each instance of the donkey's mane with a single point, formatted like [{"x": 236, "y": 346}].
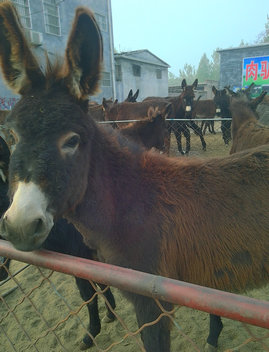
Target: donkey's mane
[{"x": 53, "y": 70}]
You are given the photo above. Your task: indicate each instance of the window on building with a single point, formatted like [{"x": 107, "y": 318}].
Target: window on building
[
  {"x": 118, "y": 73},
  {"x": 106, "y": 81},
  {"x": 137, "y": 70},
  {"x": 102, "y": 22},
  {"x": 159, "y": 74},
  {"x": 23, "y": 9},
  {"x": 51, "y": 17}
]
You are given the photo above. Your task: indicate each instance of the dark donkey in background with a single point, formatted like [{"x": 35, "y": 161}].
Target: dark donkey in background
[
  {"x": 137, "y": 209},
  {"x": 183, "y": 106},
  {"x": 131, "y": 98},
  {"x": 190, "y": 105},
  {"x": 222, "y": 101}
]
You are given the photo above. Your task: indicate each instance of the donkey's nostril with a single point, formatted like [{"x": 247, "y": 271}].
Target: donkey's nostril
[{"x": 38, "y": 226}]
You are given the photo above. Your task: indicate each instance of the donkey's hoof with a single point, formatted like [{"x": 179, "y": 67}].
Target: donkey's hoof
[
  {"x": 210, "y": 348},
  {"x": 83, "y": 346},
  {"x": 86, "y": 343}
]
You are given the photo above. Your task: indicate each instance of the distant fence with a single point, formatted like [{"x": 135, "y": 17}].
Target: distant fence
[{"x": 45, "y": 329}]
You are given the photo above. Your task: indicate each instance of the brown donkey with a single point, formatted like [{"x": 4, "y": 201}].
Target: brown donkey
[
  {"x": 138, "y": 209},
  {"x": 247, "y": 132},
  {"x": 150, "y": 132}
]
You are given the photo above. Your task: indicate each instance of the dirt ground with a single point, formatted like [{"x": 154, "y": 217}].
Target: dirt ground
[
  {"x": 46, "y": 296},
  {"x": 26, "y": 318},
  {"x": 215, "y": 146}
]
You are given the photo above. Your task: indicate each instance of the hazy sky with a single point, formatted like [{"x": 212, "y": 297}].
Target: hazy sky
[{"x": 181, "y": 31}]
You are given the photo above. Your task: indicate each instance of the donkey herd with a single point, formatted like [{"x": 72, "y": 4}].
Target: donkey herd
[{"x": 78, "y": 187}]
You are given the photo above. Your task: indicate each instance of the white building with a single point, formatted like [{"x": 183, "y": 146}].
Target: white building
[{"x": 141, "y": 70}]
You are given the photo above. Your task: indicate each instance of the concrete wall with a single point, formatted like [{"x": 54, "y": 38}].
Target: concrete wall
[
  {"x": 148, "y": 83},
  {"x": 231, "y": 63},
  {"x": 55, "y": 44}
]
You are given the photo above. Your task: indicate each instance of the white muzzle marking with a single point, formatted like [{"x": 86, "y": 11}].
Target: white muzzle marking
[{"x": 29, "y": 203}]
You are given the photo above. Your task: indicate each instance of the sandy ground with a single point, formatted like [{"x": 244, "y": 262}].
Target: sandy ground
[
  {"x": 47, "y": 298},
  {"x": 24, "y": 319}
]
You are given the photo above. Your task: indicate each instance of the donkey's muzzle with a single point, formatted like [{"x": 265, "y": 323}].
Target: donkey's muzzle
[{"x": 25, "y": 237}]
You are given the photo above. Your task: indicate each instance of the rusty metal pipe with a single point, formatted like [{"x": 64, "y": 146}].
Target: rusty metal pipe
[{"x": 229, "y": 305}]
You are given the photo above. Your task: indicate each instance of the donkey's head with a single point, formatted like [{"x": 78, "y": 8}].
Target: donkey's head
[
  {"x": 49, "y": 124},
  {"x": 188, "y": 96},
  {"x": 222, "y": 101}
]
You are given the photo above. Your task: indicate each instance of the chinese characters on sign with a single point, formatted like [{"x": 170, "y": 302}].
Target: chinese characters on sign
[
  {"x": 256, "y": 70},
  {"x": 265, "y": 69},
  {"x": 251, "y": 71}
]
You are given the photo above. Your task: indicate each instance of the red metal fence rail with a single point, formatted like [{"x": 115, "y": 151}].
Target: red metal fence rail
[
  {"x": 236, "y": 307},
  {"x": 55, "y": 316}
]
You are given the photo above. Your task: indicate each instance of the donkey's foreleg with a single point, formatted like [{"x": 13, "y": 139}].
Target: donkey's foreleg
[
  {"x": 203, "y": 127},
  {"x": 176, "y": 127},
  {"x": 4, "y": 264},
  {"x": 187, "y": 136},
  {"x": 215, "y": 327},
  {"x": 111, "y": 300},
  {"x": 226, "y": 131},
  {"x": 211, "y": 127},
  {"x": 86, "y": 292},
  {"x": 156, "y": 338},
  {"x": 197, "y": 130}
]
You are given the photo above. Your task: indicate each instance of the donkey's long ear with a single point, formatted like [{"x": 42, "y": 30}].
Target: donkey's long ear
[
  {"x": 20, "y": 68},
  {"x": 214, "y": 90},
  {"x": 183, "y": 84},
  {"x": 135, "y": 95},
  {"x": 195, "y": 84},
  {"x": 84, "y": 55},
  {"x": 129, "y": 95}
]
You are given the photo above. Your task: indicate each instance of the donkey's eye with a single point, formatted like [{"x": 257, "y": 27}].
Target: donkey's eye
[
  {"x": 72, "y": 142},
  {"x": 69, "y": 143}
]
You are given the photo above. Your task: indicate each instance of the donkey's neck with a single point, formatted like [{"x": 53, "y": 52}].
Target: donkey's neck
[{"x": 115, "y": 186}]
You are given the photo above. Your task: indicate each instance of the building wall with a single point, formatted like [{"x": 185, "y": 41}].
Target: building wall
[
  {"x": 231, "y": 63},
  {"x": 55, "y": 44},
  {"x": 147, "y": 83}
]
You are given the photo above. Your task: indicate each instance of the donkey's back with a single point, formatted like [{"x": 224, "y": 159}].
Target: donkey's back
[{"x": 230, "y": 250}]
